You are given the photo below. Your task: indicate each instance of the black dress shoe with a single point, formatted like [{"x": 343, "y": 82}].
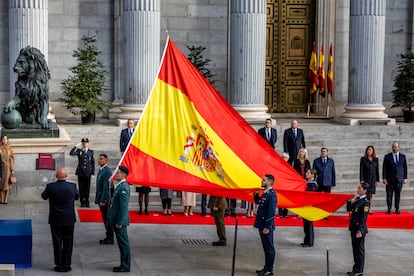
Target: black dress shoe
[
  {"x": 389, "y": 212},
  {"x": 106, "y": 241},
  {"x": 62, "y": 269},
  {"x": 82, "y": 205},
  {"x": 120, "y": 269},
  {"x": 260, "y": 271},
  {"x": 219, "y": 243},
  {"x": 265, "y": 273},
  {"x": 398, "y": 212}
]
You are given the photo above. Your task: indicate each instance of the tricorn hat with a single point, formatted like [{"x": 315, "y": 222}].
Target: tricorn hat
[{"x": 85, "y": 140}]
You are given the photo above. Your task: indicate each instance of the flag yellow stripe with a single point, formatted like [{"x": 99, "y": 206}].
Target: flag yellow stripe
[
  {"x": 166, "y": 135},
  {"x": 311, "y": 213}
]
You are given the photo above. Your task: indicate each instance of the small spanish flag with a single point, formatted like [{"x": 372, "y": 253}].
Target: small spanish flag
[
  {"x": 330, "y": 73},
  {"x": 312, "y": 72},
  {"x": 321, "y": 72}
]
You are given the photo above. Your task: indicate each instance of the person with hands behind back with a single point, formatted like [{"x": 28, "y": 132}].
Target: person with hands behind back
[{"x": 359, "y": 208}]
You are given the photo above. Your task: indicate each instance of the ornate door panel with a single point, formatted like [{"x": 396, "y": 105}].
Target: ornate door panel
[{"x": 290, "y": 34}]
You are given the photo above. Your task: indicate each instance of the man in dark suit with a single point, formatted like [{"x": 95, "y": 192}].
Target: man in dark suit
[
  {"x": 325, "y": 168},
  {"x": 103, "y": 197},
  {"x": 61, "y": 195},
  {"x": 265, "y": 222},
  {"x": 394, "y": 173},
  {"x": 119, "y": 218},
  {"x": 85, "y": 169},
  {"x": 293, "y": 140},
  {"x": 359, "y": 208},
  {"x": 269, "y": 133},
  {"x": 126, "y": 135}
]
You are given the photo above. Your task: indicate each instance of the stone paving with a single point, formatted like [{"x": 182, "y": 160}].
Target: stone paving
[{"x": 186, "y": 250}]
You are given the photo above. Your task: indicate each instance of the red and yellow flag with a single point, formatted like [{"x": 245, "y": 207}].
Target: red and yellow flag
[
  {"x": 330, "y": 73},
  {"x": 190, "y": 139},
  {"x": 321, "y": 72},
  {"x": 312, "y": 72}
]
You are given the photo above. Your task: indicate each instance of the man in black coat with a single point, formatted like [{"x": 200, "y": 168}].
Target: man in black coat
[
  {"x": 359, "y": 208},
  {"x": 61, "y": 195},
  {"x": 269, "y": 133},
  {"x": 85, "y": 169},
  {"x": 394, "y": 174},
  {"x": 126, "y": 135},
  {"x": 293, "y": 140}
]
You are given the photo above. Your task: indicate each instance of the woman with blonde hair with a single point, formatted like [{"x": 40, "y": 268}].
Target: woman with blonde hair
[{"x": 7, "y": 168}]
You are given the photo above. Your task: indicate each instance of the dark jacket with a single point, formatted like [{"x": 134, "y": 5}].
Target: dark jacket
[
  {"x": 124, "y": 139},
  {"x": 394, "y": 173},
  {"x": 86, "y": 162},
  {"x": 273, "y": 136},
  {"x": 296, "y": 165},
  {"x": 266, "y": 210},
  {"x": 359, "y": 213},
  {"x": 292, "y": 144},
  {"x": 326, "y": 172},
  {"x": 62, "y": 196},
  {"x": 369, "y": 170},
  {"x": 102, "y": 185}
]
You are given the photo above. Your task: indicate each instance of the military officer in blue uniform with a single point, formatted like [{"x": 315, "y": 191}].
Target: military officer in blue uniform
[
  {"x": 85, "y": 169},
  {"x": 103, "y": 197},
  {"x": 265, "y": 222},
  {"x": 119, "y": 218},
  {"x": 359, "y": 208}
]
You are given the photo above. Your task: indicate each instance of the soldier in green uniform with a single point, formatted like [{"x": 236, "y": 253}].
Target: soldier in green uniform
[
  {"x": 119, "y": 218},
  {"x": 218, "y": 205}
]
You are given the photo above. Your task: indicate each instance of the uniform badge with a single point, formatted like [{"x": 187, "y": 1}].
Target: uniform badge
[
  {"x": 366, "y": 209},
  {"x": 123, "y": 192}
]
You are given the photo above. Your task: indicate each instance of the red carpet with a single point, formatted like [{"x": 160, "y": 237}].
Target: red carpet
[{"x": 377, "y": 220}]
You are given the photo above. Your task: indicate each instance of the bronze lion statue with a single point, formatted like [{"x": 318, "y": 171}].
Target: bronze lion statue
[{"x": 31, "y": 88}]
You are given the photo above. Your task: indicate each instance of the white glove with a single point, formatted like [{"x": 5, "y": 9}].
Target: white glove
[
  {"x": 78, "y": 145},
  {"x": 92, "y": 176}
]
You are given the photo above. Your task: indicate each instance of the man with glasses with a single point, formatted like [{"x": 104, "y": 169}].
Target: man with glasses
[
  {"x": 269, "y": 133},
  {"x": 265, "y": 222}
]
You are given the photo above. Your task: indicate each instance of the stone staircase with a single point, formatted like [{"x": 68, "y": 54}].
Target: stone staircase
[{"x": 346, "y": 145}]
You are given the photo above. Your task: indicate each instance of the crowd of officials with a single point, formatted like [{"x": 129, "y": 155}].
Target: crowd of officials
[{"x": 112, "y": 197}]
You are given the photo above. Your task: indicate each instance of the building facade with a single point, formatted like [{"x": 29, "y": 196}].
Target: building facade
[{"x": 260, "y": 50}]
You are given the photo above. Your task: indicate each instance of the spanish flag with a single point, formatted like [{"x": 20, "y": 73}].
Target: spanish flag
[
  {"x": 190, "y": 139},
  {"x": 321, "y": 72},
  {"x": 313, "y": 72},
  {"x": 330, "y": 73}
]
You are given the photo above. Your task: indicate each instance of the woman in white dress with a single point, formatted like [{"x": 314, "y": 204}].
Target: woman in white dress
[{"x": 188, "y": 200}]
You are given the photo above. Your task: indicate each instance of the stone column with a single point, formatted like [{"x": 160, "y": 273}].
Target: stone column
[
  {"x": 366, "y": 63},
  {"x": 141, "y": 56},
  {"x": 28, "y": 25},
  {"x": 247, "y": 58}
]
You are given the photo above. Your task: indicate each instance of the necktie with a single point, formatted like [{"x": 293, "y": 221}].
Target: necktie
[
  {"x": 268, "y": 134},
  {"x": 294, "y": 132}
]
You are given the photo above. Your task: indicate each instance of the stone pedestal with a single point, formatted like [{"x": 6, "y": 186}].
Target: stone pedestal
[{"x": 32, "y": 182}]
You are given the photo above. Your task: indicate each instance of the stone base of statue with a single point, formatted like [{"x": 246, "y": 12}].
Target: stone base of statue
[
  {"x": 32, "y": 131},
  {"x": 27, "y": 148}
]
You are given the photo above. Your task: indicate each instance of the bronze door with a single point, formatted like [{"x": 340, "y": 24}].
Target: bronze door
[{"x": 290, "y": 34}]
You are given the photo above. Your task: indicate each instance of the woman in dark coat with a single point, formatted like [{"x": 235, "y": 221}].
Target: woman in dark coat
[
  {"x": 302, "y": 164},
  {"x": 369, "y": 172}
]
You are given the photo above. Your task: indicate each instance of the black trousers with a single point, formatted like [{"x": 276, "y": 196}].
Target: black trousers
[
  {"x": 309, "y": 234},
  {"x": 108, "y": 227},
  {"x": 358, "y": 250},
  {"x": 84, "y": 188},
  {"x": 62, "y": 238},
  {"x": 392, "y": 188}
]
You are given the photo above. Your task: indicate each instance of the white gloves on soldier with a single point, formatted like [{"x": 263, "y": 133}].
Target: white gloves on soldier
[{"x": 78, "y": 145}]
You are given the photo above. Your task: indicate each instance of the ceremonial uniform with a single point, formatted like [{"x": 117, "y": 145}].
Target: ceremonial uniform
[
  {"x": 265, "y": 218},
  {"x": 84, "y": 171},
  {"x": 103, "y": 196},
  {"x": 359, "y": 209},
  {"x": 118, "y": 214},
  {"x": 218, "y": 215}
]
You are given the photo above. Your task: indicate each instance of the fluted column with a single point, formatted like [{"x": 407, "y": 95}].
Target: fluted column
[
  {"x": 141, "y": 36},
  {"x": 247, "y": 58},
  {"x": 366, "y": 63},
  {"x": 28, "y": 25}
]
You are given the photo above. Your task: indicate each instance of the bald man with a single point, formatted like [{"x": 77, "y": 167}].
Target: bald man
[{"x": 62, "y": 196}]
